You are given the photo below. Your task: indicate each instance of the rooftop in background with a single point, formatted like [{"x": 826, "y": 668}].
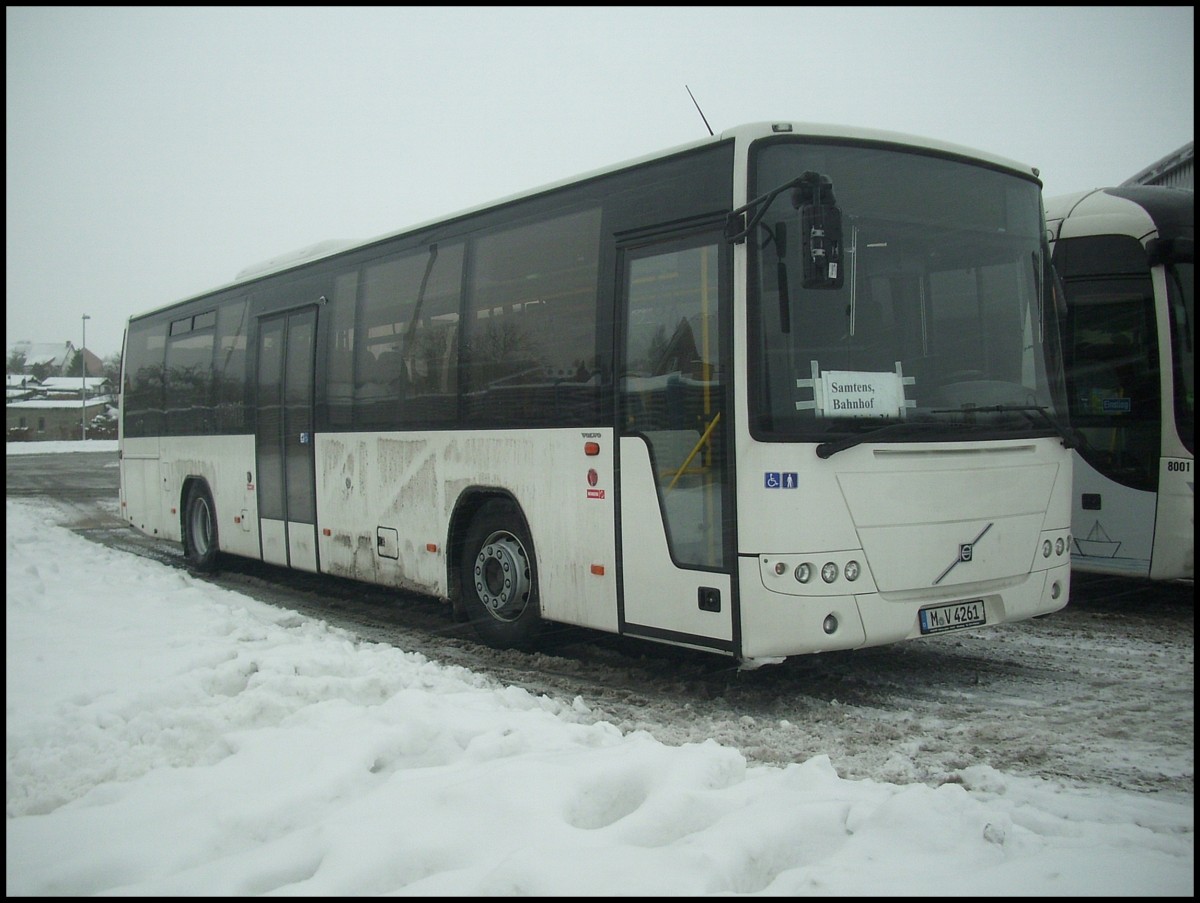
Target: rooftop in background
[
  {"x": 56, "y": 353},
  {"x": 1175, "y": 170},
  {"x": 71, "y": 383}
]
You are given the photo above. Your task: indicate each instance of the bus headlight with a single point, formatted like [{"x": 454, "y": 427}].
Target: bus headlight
[
  {"x": 829, "y": 572},
  {"x": 1046, "y": 548},
  {"x": 1059, "y": 545},
  {"x": 803, "y": 572},
  {"x": 852, "y": 570}
]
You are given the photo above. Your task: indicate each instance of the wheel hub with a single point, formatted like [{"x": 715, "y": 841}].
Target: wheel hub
[{"x": 502, "y": 577}]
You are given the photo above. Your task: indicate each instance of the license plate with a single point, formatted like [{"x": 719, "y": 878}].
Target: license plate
[{"x": 952, "y": 617}]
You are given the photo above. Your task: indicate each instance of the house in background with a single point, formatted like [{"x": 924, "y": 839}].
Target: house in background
[
  {"x": 42, "y": 419},
  {"x": 57, "y": 407}
]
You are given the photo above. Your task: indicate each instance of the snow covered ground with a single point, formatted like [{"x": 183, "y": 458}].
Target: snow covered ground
[{"x": 167, "y": 736}]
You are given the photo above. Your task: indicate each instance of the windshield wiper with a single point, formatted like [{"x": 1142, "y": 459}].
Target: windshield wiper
[
  {"x": 892, "y": 430},
  {"x": 827, "y": 449},
  {"x": 1069, "y": 440}
]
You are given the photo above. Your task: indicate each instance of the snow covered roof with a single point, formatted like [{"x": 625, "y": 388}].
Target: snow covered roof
[
  {"x": 71, "y": 383},
  {"x": 50, "y": 403},
  {"x": 55, "y": 353}
]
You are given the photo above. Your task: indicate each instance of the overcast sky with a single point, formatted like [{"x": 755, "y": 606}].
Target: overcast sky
[{"x": 153, "y": 153}]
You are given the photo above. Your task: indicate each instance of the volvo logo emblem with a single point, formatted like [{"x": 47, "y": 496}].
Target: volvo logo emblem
[{"x": 966, "y": 552}]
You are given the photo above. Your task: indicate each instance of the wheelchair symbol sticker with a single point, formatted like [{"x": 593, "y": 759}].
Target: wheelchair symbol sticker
[{"x": 775, "y": 480}]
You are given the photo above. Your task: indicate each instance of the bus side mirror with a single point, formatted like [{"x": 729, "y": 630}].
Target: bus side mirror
[
  {"x": 1170, "y": 250},
  {"x": 821, "y": 246}
]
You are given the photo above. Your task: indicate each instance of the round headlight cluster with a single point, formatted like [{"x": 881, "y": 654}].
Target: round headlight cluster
[
  {"x": 1058, "y": 547},
  {"x": 829, "y": 571}
]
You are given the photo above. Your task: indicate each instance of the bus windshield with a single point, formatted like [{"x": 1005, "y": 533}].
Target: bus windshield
[
  {"x": 1181, "y": 296},
  {"x": 942, "y": 313}
]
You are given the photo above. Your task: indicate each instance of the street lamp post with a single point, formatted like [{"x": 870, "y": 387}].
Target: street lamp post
[{"x": 83, "y": 376}]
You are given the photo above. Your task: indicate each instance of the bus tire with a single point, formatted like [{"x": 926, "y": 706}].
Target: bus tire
[
  {"x": 499, "y": 578},
  {"x": 200, "y": 530}
]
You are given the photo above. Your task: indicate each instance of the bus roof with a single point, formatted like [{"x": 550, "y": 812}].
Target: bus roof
[
  {"x": 1137, "y": 210},
  {"x": 744, "y": 133}
]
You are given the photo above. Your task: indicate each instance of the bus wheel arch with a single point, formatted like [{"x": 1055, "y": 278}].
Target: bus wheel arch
[
  {"x": 198, "y": 526},
  {"x": 495, "y": 582}
]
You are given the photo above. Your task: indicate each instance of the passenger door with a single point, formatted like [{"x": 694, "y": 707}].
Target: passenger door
[
  {"x": 284, "y": 441},
  {"x": 675, "y": 487}
]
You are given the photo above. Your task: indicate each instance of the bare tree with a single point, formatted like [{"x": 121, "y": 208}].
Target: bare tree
[{"x": 112, "y": 368}]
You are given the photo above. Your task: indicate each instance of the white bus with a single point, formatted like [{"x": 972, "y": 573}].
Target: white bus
[
  {"x": 783, "y": 390},
  {"x": 1127, "y": 257}
]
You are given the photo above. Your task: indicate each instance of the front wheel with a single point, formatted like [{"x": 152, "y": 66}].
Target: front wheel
[
  {"x": 200, "y": 530},
  {"x": 499, "y": 578}
]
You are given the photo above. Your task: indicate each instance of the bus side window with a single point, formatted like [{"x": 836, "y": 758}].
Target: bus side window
[
  {"x": 391, "y": 374},
  {"x": 339, "y": 390}
]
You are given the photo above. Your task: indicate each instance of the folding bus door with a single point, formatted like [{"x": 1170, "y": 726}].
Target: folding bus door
[
  {"x": 287, "y": 507},
  {"x": 675, "y": 502}
]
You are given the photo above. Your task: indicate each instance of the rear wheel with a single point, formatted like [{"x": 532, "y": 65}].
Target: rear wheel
[
  {"x": 499, "y": 578},
  {"x": 200, "y": 529}
]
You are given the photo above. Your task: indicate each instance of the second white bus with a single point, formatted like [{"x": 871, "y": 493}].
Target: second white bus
[{"x": 1127, "y": 260}]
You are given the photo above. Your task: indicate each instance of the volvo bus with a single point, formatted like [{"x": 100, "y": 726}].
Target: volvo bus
[
  {"x": 786, "y": 389},
  {"x": 1126, "y": 257}
]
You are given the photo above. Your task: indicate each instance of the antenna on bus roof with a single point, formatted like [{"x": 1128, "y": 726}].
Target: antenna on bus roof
[{"x": 698, "y": 110}]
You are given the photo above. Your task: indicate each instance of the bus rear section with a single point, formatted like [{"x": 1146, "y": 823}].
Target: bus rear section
[{"x": 1126, "y": 259}]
